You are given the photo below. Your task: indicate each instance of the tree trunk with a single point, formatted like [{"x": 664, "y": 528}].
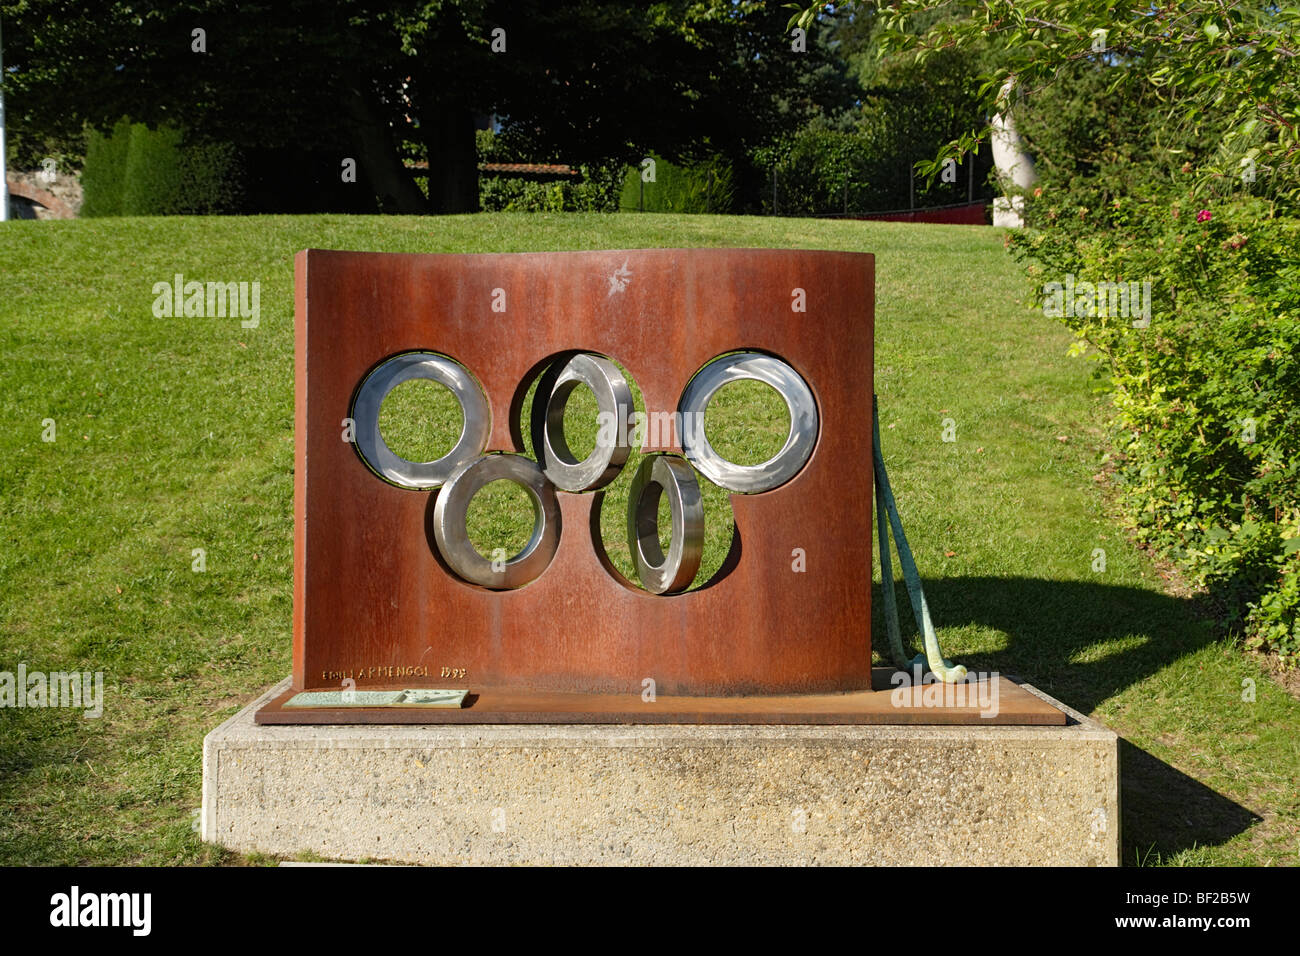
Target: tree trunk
[
  {"x": 378, "y": 160},
  {"x": 448, "y": 133}
]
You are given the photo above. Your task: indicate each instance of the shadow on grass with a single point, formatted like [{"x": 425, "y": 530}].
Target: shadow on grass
[
  {"x": 1080, "y": 641},
  {"x": 1083, "y": 642},
  {"x": 1165, "y": 811}
]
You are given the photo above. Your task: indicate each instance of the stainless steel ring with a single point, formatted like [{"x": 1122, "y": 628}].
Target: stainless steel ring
[
  {"x": 416, "y": 475},
  {"x": 615, "y": 410},
  {"x": 452, "y": 536},
  {"x": 798, "y": 397},
  {"x": 667, "y": 475}
]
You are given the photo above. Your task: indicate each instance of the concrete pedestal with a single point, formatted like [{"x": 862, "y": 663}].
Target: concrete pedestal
[{"x": 666, "y": 794}]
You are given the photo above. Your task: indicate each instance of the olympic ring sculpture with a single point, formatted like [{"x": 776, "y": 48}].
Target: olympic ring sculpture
[
  {"x": 665, "y": 573},
  {"x": 372, "y": 448},
  {"x": 614, "y": 401},
  {"x": 451, "y": 511},
  {"x": 463, "y": 471},
  {"x": 785, "y": 464}
]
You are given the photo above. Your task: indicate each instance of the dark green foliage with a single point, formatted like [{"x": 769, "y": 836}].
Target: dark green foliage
[
  {"x": 594, "y": 190},
  {"x": 30, "y": 152},
  {"x": 595, "y": 80},
  {"x": 861, "y": 160},
  {"x": 151, "y": 174},
  {"x": 136, "y": 171},
  {"x": 820, "y": 171},
  {"x": 211, "y": 176},
  {"x": 105, "y": 171}
]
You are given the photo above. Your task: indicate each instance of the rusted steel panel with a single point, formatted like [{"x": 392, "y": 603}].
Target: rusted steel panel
[{"x": 372, "y": 598}]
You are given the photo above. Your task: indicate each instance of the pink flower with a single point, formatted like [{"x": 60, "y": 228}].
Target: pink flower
[{"x": 1203, "y": 216}]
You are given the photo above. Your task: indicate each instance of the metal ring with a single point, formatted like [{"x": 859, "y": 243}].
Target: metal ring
[
  {"x": 614, "y": 404},
  {"x": 671, "y": 476},
  {"x": 798, "y": 397},
  {"x": 452, "y": 507},
  {"x": 374, "y": 451}
]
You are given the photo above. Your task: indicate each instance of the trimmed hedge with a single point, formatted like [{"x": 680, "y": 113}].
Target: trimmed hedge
[{"x": 138, "y": 171}]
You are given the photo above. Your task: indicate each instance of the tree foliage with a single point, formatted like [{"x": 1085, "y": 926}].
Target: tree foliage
[
  {"x": 1201, "y": 58},
  {"x": 1166, "y": 141},
  {"x": 588, "y": 80}
]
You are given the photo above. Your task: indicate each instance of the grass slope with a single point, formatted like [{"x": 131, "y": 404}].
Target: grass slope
[{"x": 177, "y": 434}]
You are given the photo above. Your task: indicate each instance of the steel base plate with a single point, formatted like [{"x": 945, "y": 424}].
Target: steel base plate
[{"x": 1001, "y": 701}]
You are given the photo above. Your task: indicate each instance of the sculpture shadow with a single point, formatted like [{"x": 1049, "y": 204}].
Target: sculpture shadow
[
  {"x": 1049, "y": 626},
  {"x": 1164, "y": 811}
]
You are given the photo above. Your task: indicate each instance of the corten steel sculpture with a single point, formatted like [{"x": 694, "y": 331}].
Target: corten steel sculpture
[{"x": 390, "y": 595}]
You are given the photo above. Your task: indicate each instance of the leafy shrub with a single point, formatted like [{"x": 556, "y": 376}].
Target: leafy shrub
[
  {"x": 821, "y": 171},
  {"x": 137, "y": 171},
  {"x": 596, "y": 189},
  {"x": 1206, "y": 400},
  {"x": 708, "y": 186},
  {"x": 211, "y": 177},
  {"x": 867, "y": 169}
]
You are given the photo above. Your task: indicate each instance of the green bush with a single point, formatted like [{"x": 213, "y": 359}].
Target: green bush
[
  {"x": 104, "y": 171},
  {"x": 708, "y": 186},
  {"x": 595, "y": 190},
  {"x": 821, "y": 171},
  {"x": 137, "y": 171},
  {"x": 211, "y": 179},
  {"x": 151, "y": 179},
  {"x": 1206, "y": 399}
]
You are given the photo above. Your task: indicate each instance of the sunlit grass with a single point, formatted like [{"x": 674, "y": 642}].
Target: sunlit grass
[{"x": 177, "y": 434}]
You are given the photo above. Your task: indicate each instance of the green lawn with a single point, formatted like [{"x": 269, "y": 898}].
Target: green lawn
[{"x": 177, "y": 434}]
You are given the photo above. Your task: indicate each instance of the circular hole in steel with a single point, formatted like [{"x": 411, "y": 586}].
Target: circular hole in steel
[
  {"x": 451, "y": 530},
  {"x": 476, "y": 418},
  {"x": 799, "y": 443},
  {"x": 420, "y": 420}
]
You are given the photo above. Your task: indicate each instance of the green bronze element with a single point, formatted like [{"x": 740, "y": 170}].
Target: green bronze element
[
  {"x": 378, "y": 698},
  {"x": 896, "y": 651},
  {"x": 887, "y": 510}
]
